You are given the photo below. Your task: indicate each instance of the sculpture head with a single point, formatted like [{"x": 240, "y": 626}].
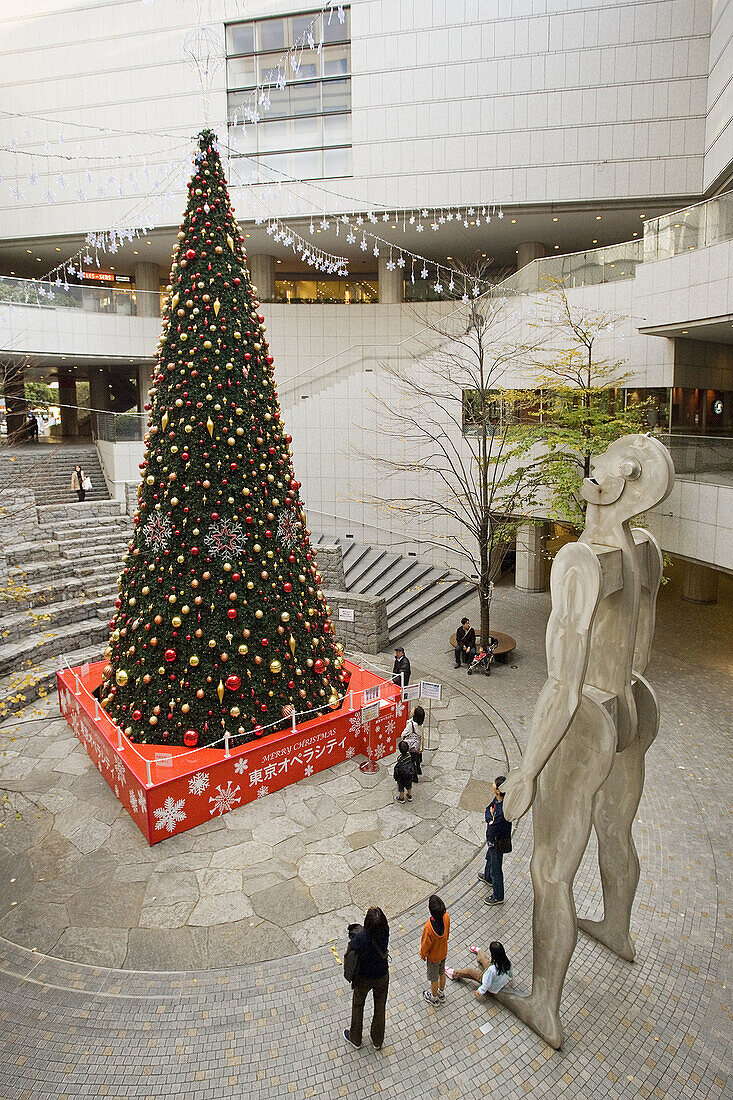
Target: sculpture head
[{"x": 635, "y": 474}]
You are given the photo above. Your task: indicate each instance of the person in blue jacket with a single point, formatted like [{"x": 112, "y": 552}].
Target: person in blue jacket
[{"x": 497, "y": 829}]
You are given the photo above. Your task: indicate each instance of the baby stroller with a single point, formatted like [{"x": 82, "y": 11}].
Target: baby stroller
[{"x": 484, "y": 659}]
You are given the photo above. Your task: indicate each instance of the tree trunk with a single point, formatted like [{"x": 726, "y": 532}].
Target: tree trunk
[{"x": 485, "y": 604}]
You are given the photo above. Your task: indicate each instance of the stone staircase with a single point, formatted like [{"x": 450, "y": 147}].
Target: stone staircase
[
  {"x": 60, "y": 590},
  {"x": 414, "y": 592},
  {"x": 46, "y": 468}
]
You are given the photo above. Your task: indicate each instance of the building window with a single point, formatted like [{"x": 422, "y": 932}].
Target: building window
[{"x": 306, "y": 132}]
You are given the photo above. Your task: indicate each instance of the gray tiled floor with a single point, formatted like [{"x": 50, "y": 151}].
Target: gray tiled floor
[{"x": 659, "y": 1028}]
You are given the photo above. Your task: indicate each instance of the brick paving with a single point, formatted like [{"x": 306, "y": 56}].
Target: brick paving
[{"x": 657, "y": 1028}]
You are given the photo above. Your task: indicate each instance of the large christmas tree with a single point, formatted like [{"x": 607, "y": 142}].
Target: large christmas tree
[{"x": 221, "y": 624}]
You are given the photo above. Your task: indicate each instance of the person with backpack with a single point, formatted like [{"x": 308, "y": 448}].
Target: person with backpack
[
  {"x": 366, "y": 966},
  {"x": 404, "y": 773},
  {"x": 412, "y": 736}
]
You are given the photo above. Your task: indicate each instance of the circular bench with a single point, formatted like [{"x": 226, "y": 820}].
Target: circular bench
[{"x": 506, "y": 645}]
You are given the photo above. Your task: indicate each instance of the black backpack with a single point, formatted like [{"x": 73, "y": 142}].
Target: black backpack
[{"x": 352, "y": 959}]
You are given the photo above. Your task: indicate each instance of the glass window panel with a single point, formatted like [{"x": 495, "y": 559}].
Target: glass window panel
[
  {"x": 279, "y": 103},
  {"x": 300, "y": 24},
  {"x": 241, "y": 38},
  {"x": 305, "y": 99},
  {"x": 272, "y": 135},
  {"x": 306, "y": 165},
  {"x": 337, "y": 162},
  {"x": 241, "y": 72},
  {"x": 269, "y": 67},
  {"x": 306, "y": 132},
  {"x": 272, "y": 34},
  {"x": 336, "y": 129},
  {"x": 307, "y": 69},
  {"x": 333, "y": 31},
  {"x": 337, "y": 95},
  {"x": 335, "y": 60}
]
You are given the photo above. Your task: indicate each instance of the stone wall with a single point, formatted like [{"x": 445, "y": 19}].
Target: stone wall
[
  {"x": 369, "y": 632},
  {"x": 331, "y": 567},
  {"x": 18, "y": 516}
]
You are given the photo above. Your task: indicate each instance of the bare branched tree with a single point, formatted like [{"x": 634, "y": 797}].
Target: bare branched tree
[{"x": 456, "y": 430}]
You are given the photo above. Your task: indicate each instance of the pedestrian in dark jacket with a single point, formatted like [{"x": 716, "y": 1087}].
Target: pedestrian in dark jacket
[
  {"x": 412, "y": 736},
  {"x": 465, "y": 643},
  {"x": 404, "y": 772},
  {"x": 401, "y": 667},
  {"x": 497, "y": 829},
  {"x": 373, "y": 974}
]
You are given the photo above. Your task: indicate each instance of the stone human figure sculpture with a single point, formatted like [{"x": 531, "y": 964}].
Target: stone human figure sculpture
[{"x": 594, "y": 721}]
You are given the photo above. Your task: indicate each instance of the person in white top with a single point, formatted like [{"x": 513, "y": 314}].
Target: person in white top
[
  {"x": 494, "y": 973},
  {"x": 412, "y": 736}
]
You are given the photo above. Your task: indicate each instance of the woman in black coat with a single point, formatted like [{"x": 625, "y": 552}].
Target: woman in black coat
[{"x": 373, "y": 974}]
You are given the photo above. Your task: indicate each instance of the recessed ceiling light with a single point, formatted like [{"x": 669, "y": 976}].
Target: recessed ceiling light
[
  {"x": 148, "y": 242},
  {"x": 58, "y": 249},
  {"x": 554, "y": 219},
  {"x": 135, "y": 252},
  {"x": 248, "y": 234},
  {"x": 634, "y": 234},
  {"x": 598, "y": 217},
  {"x": 12, "y": 273},
  {"x": 557, "y": 246},
  {"x": 514, "y": 221},
  {"x": 111, "y": 269},
  {"x": 685, "y": 331},
  {"x": 38, "y": 259},
  {"x": 642, "y": 215},
  {"x": 278, "y": 261},
  {"x": 595, "y": 241},
  {"x": 29, "y": 251}
]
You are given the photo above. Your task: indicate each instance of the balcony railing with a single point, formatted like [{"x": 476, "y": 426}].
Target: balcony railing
[
  {"x": 91, "y": 299},
  {"x": 701, "y": 457},
  {"x": 120, "y": 427}
]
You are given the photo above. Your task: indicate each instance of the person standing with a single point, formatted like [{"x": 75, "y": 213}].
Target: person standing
[
  {"x": 77, "y": 482},
  {"x": 400, "y": 668},
  {"x": 465, "y": 643},
  {"x": 434, "y": 949},
  {"x": 412, "y": 736},
  {"x": 498, "y": 841},
  {"x": 373, "y": 974},
  {"x": 404, "y": 773}
]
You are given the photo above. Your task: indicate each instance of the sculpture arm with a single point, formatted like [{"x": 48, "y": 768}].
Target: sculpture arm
[
  {"x": 575, "y": 586},
  {"x": 651, "y": 569}
]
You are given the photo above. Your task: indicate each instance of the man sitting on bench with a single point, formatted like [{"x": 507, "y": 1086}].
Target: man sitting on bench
[{"x": 465, "y": 643}]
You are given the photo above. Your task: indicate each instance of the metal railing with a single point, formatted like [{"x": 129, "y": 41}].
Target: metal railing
[
  {"x": 124, "y": 427},
  {"x": 699, "y": 226},
  {"x": 701, "y": 457},
  {"x": 41, "y": 294}
]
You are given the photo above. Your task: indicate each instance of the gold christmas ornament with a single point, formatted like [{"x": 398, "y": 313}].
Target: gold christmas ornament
[
  {"x": 235, "y": 712},
  {"x": 164, "y": 421},
  {"x": 275, "y": 666},
  {"x": 217, "y": 307},
  {"x": 193, "y": 661},
  {"x": 291, "y": 643},
  {"x": 220, "y": 690},
  {"x": 121, "y": 677},
  {"x": 210, "y": 426}
]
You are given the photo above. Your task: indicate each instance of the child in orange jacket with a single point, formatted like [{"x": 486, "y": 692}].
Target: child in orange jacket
[{"x": 434, "y": 949}]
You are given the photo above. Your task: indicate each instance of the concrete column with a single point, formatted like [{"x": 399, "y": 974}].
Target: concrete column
[
  {"x": 144, "y": 382},
  {"x": 98, "y": 396},
  {"x": 530, "y": 250},
  {"x": 67, "y": 401},
  {"x": 532, "y": 572},
  {"x": 15, "y": 402},
  {"x": 147, "y": 283},
  {"x": 391, "y": 285},
  {"x": 262, "y": 273},
  {"x": 699, "y": 583}
]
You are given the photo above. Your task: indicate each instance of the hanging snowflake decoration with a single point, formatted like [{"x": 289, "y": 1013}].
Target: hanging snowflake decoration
[
  {"x": 225, "y": 799},
  {"x": 157, "y": 532},
  {"x": 226, "y": 539},
  {"x": 287, "y": 528},
  {"x": 198, "y": 783},
  {"x": 170, "y": 813}
]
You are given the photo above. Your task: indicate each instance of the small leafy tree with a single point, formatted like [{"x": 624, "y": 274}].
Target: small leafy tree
[
  {"x": 582, "y": 411},
  {"x": 461, "y": 450}
]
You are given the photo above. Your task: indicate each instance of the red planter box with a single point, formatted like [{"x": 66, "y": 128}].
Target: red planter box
[{"x": 167, "y": 790}]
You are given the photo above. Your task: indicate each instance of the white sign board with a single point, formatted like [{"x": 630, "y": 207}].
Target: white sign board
[
  {"x": 412, "y": 691},
  {"x": 429, "y": 690},
  {"x": 372, "y": 693},
  {"x": 370, "y": 712},
  {"x": 164, "y": 759},
  {"x": 346, "y": 614}
]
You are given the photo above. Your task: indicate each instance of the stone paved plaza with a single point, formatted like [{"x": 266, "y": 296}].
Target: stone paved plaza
[{"x": 210, "y": 965}]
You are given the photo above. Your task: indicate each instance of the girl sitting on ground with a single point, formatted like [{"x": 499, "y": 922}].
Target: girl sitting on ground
[{"x": 494, "y": 973}]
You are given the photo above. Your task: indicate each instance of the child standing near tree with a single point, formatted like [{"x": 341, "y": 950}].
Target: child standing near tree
[
  {"x": 434, "y": 949},
  {"x": 404, "y": 773}
]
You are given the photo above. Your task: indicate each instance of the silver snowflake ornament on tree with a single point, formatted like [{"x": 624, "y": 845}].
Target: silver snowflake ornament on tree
[
  {"x": 157, "y": 532},
  {"x": 226, "y": 539},
  {"x": 287, "y": 528}
]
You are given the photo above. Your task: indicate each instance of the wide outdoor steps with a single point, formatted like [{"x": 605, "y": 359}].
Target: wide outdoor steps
[
  {"x": 414, "y": 592},
  {"x": 46, "y": 469}
]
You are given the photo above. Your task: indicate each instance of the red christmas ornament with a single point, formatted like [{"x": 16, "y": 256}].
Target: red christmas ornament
[
  {"x": 170, "y": 654},
  {"x": 191, "y": 738},
  {"x": 190, "y": 254},
  {"x": 233, "y": 682},
  {"x": 232, "y": 613},
  {"x": 258, "y": 731},
  {"x": 287, "y": 587},
  {"x": 137, "y": 715},
  {"x": 319, "y": 666}
]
